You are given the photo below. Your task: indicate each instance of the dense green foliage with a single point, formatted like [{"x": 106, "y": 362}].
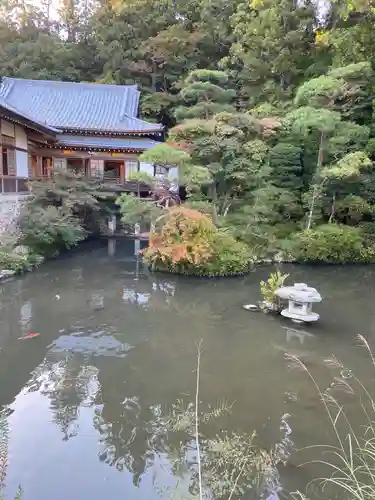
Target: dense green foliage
[
  {"x": 134, "y": 210},
  {"x": 187, "y": 242},
  {"x": 268, "y": 290},
  {"x": 62, "y": 212},
  {"x": 14, "y": 256},
  {"x": 332, "y": 243},
  {"x": 12, "y": 260},
  {"x": 268, "y": 104}
]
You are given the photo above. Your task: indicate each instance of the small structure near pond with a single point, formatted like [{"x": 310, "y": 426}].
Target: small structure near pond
[{"x": 300, "y": 299}]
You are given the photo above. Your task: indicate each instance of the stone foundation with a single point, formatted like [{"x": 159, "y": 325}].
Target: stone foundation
[{"x": 10, "y": 208}]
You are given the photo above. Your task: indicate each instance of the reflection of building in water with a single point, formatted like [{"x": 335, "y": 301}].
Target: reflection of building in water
[
  {"x": 111, "y": 247},
  {"x": 168, "y": 287},
  {"x": 137, "y": 246},
  {"x": 134, "y": 297},
  {"x": 26, "y": 317}
]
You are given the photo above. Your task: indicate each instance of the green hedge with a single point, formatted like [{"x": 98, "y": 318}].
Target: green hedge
[{"x": 332, "y": 243}]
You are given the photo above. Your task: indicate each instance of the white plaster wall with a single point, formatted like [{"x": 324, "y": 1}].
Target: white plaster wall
[
  {"x": 59, "y": 163},
  {"x": 21, "y": 137},
  {"x": 22, "y": 167},
  {"x": 147, "y": 168},
  {"x": 173, "y": 175},
  {"x": 101, "y": 167}
]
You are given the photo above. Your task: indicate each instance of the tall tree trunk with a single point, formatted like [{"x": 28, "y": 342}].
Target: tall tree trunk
[
  {"x": 153, "y": 77},
  {"x": 322, "y": 145},
  {"x": 214, "y": 203},
  {"x": 332, "y": 214}
]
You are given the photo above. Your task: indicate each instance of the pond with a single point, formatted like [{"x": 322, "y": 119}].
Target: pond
[{"x": 117, "y": 348}]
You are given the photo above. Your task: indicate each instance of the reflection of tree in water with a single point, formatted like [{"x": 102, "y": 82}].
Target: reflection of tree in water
[
  {"x": 160, "y": 294},
  {"x": 69, "y": 384},
  {"x": 126, "y": 405},
  {"x": 130, "y": 432},
  {"x": 73, "y": 383},
  {"x": 136, "y": 433},
  {"x": 4, "y": 449},
  {"x": 126, "y": 423},
  {"x": 125, "y": 437}
]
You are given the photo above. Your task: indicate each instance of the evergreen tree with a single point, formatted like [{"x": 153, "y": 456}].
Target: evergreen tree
[
  {"x": 204, "y": 95},
  {"x": 273, "y": 50},
  {"x": 305, "y": 133}
]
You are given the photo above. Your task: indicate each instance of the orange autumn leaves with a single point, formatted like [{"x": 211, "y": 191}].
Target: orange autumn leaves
[{"x": 186, "y": 237}]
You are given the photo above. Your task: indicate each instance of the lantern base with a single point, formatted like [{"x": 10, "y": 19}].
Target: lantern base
[{"x": 300, "y": 318}]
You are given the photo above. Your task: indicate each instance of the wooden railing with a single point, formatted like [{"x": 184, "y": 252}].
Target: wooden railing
[
  {"x": 11, "y": 184},
  {"x": 132, "y": 185}
]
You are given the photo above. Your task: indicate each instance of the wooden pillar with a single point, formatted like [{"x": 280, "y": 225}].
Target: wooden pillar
[
  {"x": 112, "y": 224},
  {"x": 34, "y": 166},
  {"x": 39, "y": 166},
  {"x": 122, "y": 172},
  {"x": 49, "y": 168},
  {"x": 137, "y": 241}
]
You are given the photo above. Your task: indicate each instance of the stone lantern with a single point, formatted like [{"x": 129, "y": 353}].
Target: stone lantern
[{"x": 300, "y": 299}]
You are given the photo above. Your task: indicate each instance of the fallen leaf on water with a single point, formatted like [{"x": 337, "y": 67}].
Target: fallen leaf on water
[{"x": 29, "y": 336}]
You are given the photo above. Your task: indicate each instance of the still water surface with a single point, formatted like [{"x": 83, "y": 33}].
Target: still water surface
[{"x": 118, "y": 345}]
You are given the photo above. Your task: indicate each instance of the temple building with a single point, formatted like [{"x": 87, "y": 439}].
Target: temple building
[{"x": 87, "y": 128}]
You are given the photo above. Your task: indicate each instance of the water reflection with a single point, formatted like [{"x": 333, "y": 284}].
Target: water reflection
[
  {"x": 26, "y": 317},
  {"x": 117, "y": 349},
  {"x": 112, "y": 247}
]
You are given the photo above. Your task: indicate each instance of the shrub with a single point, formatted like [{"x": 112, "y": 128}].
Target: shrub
[
  {"x": 48, "y": 230},
  {"x": 135, "y": 210},
  {"x": 231, "y": 256},
  {"x": 268, "y": 289},
  {"x": 331, "y": 243},
  {"x": 189, "y": 243},
  {"x": 62, "y": 212},
  {"x": 19, "y": 262},
  {"x": 12, "y": 262}
]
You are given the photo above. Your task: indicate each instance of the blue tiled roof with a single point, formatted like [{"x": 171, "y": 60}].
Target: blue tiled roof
[
  {"x": 77, "y": 106},
  {"x": 14, "y": 111},
  {"x": 105, "y": 142}
]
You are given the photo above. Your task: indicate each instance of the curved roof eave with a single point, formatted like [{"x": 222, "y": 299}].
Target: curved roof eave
[
  {"x": 104, "y": 132},
  {"x": 30, "y": 122}
]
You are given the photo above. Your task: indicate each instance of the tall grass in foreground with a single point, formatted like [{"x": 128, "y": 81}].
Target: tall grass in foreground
[
  {"x": 4, "y": 440},
  {"x": 351, "y": 461}
]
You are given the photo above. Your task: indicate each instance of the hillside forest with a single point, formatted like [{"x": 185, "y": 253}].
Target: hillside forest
[{"x": 268, "y": 105}]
